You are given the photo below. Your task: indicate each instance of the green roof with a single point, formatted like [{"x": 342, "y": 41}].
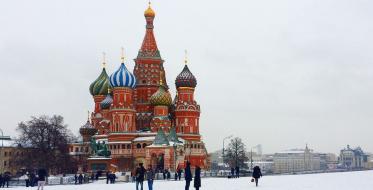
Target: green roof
[
  {"x": 161, "y": 138},
  {"x": 172, "y": 137}
]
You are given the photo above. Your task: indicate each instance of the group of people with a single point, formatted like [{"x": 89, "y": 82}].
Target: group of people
[
  {"x": 4, "y": 180},
  {"x": 233, "y": 174},
  {"x": 141, "y": 174},
  {"x": 110, "y": 177}
]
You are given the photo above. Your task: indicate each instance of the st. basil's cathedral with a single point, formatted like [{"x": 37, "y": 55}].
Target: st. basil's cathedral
[{"x": 136, "y": 118}]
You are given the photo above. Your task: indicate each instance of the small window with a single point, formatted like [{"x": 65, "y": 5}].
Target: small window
[
  {"x": 144, "y": 145},
  {"x": 128, "y": 146},
  {"x": 138, "y": 146},
  {"x": 123, "y": 146}
]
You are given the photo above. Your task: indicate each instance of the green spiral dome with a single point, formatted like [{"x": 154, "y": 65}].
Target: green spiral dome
[
  {"x": 101, "y": 85},
  {"x": 161, "y": 98}
]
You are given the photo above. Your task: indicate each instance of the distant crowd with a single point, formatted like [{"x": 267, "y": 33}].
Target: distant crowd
[{"x": 139, "y": 175}]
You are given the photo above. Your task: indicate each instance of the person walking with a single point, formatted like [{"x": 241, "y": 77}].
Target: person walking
[
  {"x": 42, "y": 175},
  {"x": 237, "y": 172},
  {"x": 257, "y": 174},
  {"x": 6, "y": 180},
  {"x": 188, "y": 175},
  {"x": 107, "y": 177},
  {"x": 179, "y": 173},
  {"x": 80, "y": 178},
  {"x": 140, "y": 175},
  {"x": 27, "y": 179},
  {"x": 76, "y": 179},
  {"x": 197, "y": 178},
  {"x": 150, "y": 177},
  {"x": 1, "y": 180},
  {"x": 232, "y": 172},
  {"x": 32, "y": 179}
]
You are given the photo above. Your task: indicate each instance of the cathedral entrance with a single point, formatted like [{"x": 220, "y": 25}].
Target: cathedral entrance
[{"x": 157, "y": 162}]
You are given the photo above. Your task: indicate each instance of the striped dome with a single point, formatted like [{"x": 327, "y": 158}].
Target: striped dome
[
  {"x": 122, "y": 78},
  {"x": 161, "y": 98},
  {"x": 101, "y": 85},
  {"x": 186, "y": 79},
  {"x": 106, "y": 103}
]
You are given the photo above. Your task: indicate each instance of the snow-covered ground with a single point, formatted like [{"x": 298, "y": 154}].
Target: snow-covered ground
[{"x": 362, "y": 180}]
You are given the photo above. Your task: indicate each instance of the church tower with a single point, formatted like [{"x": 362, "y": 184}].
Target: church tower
[
  {"x": 122, "y": 109},
  {"x": 148, "y": 66},
  {"x": 186, "y": 109}
]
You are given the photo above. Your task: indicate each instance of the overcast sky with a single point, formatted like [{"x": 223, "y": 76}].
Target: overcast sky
[{"x": 277, "y": 73}]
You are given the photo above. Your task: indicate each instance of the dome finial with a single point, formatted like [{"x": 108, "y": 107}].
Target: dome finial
[
  {"x": 122, "y": 55},
  {"x": 103, "y": 59},
  {"x": 149, "y": 12},
  {"x": 186, "y": 57},
  {"x": 160, "y": 78}
]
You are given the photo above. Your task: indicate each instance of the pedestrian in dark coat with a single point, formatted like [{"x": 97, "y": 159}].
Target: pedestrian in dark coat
[
  {"x": 42, "y": 177},
  {"x": 6, "y": 180},
  {"x": 179, "y": 173},
  {"x": 197, "y": 178},
  {"x": 107, "y": 177},
  {"x": 1, "y": 180},
  {"x": 92, "y": 176},
  {"x": 32, "y": 179},
  {"x": 237, "y": 171},
  {"x": 76, "y": 178},
  {"x": 150, "y": 175},
  {"x": 232, "y": 172},
  {"x": 80, "y": 178},
  {"x": 140, "y": 175},
  {"x": 188, "y": 175},
  {"x": 257, "y": 174}
]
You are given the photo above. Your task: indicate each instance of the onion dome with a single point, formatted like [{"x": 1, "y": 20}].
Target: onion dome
[
  {"x": 161, "y": 138},
  {"x": 122, "y": 78},
  {"x": 162, "y": 97},
  {"x": 101, "y": 85},
  {"x": 87, "y": 129},
  {"x": 186, "y": 79},
  {"x": 149, "y": 12},
  {"x": 106, "y": 103}
]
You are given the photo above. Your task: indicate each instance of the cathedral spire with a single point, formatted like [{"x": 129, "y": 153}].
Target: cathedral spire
[{"x": 149, "y": 47}]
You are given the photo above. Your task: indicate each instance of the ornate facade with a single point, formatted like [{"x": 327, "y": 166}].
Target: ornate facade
[{"x": 137, "y": 119}]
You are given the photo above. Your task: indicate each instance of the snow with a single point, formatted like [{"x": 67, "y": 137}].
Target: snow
[{"x": 328, "y": 181}]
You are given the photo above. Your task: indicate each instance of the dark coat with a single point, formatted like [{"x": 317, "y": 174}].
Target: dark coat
[
  {"x": 188, "y": 173},
  {"x": 140, "y": 173},
  {"x": 197, "y": 177},
  {"x": 256, "y": 172},
  {"x": 42, "y": 174}
]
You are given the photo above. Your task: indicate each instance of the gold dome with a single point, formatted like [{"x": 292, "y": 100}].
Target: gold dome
[{"x": 149, "y": 12}]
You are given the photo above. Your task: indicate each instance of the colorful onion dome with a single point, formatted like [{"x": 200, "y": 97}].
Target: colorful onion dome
[
  {"x": 186, "y": 79},
  {"x": 162, "y": 97},
  {"x": 149, "y": 12},
  {"x": 122, "y": 78},
  {"x": 87, "y": 129},
  {"x": 106, "y": 103},
  {"x": 101, "y": 85}
]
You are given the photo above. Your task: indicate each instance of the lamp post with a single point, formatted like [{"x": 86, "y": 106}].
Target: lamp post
[{"x": 225, "y": 138}]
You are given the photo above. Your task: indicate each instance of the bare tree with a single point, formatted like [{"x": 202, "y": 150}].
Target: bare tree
[
  {"x": 236, "y": 153},
  {"x": 45, "y": 144}
]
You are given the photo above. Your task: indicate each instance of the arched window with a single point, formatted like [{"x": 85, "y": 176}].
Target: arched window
[
  {"x": 144, "y": 145},
  {"x": 128, "y": 146},
  {"x": 138, "y": 146}
]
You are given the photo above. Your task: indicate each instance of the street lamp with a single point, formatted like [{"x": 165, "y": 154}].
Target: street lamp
[{"x": 225, "y": 138}]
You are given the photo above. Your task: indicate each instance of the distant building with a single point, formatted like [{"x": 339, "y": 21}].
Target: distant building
[
  {"x": 7, "y": 153},
  {"x": 328, "y": 161},
  {"x": 350, "y": 158},
  {"x": 296, "y": 160}
]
